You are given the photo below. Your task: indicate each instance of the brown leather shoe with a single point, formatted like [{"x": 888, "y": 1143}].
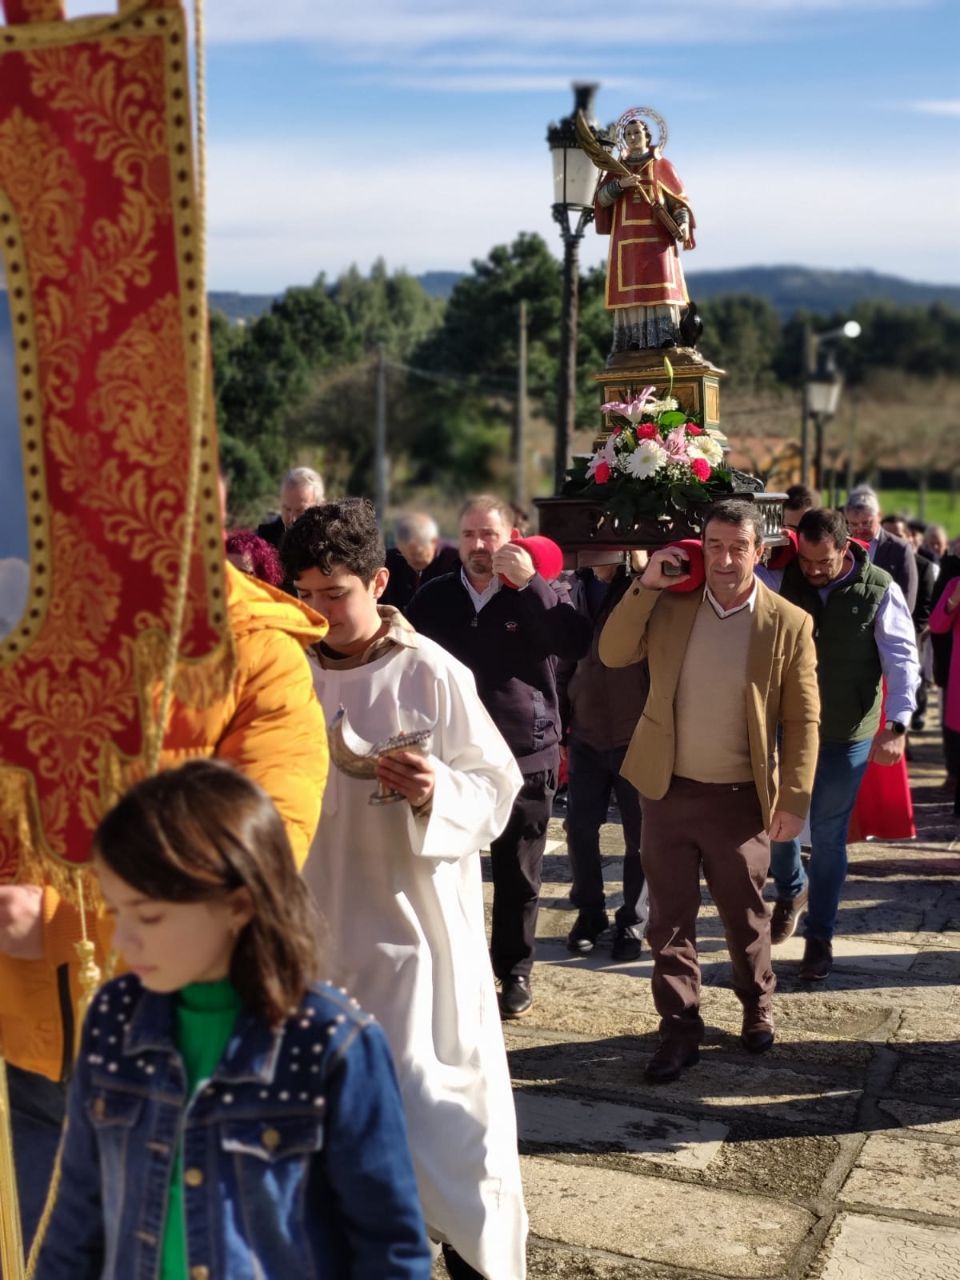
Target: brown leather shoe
[
  {"x": 817, "y": 960},
  {"x": 757, "y": 1031},
  {"x": 670, "y": 1060},
  {"x": 786, "y": 915}
]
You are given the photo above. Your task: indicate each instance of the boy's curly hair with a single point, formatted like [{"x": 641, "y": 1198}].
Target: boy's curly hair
[{"x": 338, "y": 533}]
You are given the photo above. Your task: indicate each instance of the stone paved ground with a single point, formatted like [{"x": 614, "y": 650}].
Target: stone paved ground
[{"x": 833, "y": 1157}]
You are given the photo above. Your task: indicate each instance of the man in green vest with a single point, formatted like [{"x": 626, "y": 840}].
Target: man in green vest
[{"x": 864, "y": 635}]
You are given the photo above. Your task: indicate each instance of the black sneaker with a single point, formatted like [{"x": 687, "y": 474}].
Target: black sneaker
[
  {"x": 515, "y": 998},
  {"x": 457, "y": 1269},
  {"x": 817, "y": 960},
  {"x": 626, "y": 946},
  {"x": 582, "y": 938}
]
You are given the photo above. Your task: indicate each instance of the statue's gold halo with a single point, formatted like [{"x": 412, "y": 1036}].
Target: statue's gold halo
[{"x": 648, "y": 116}]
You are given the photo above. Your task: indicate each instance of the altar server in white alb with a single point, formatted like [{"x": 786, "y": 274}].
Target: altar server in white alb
[{"x": 399, "y": 882}]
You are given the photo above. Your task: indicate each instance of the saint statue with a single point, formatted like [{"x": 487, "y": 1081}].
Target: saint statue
[{"x": 641, "y": 205}]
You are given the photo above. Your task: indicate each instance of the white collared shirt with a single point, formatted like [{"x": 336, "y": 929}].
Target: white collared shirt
[
  {"x": 721, "y": 612},
  {"x": 480, "y": 598}
]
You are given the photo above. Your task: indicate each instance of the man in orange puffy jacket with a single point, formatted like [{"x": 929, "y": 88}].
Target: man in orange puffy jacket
[{"x": 271, "y": 727}]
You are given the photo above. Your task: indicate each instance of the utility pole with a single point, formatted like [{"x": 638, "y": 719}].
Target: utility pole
[
  {"x": 380, "y": 462},
  {"x": 520, "y": 431},
  {"x": 567, "y": 407},
  {"x": 809, "y": 369}
]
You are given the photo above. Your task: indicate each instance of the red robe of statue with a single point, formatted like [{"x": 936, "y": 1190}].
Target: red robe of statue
[{"x": 643, "y": 265}]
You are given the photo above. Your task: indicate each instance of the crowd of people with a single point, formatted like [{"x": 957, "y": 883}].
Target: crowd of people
[{"x": 393, "y": 713}]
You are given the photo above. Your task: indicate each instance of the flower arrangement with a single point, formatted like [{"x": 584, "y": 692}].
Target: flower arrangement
[{"x": 657, "y": 461}]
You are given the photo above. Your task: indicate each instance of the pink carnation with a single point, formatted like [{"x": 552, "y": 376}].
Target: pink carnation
[
  {"x": 692, "y": 429},
  {"x": 701, "y": 468},
  {"x": 647, "y": 431},
  {"x": 602, "y": 472}
]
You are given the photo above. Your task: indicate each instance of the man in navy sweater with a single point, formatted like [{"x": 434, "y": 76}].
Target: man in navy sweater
[{"x": 503, "y": 621}]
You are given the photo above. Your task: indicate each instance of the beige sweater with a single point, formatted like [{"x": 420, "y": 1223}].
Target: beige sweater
[{"x": 710, "y": 708}]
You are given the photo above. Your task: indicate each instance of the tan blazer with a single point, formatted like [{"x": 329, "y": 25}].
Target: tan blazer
[{"x": 781, "y": 689}]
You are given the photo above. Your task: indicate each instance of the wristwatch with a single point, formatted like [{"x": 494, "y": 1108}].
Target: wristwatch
[{"x": 895, "y": 726}]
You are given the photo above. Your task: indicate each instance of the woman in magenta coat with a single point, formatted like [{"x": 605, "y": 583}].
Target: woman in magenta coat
[{"x": 946, "y": 617}]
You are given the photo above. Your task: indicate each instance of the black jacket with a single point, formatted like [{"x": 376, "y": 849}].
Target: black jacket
[
  {"x": 898, "y": 559},
  {"x": 600, "y": 705},
  {"x": 405, "y": 582},
  {"x": 511, "y": 646},
  {"x": 272, "y": 531}
]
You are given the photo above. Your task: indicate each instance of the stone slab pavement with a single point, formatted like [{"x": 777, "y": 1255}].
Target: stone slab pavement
[{"x": 836, "y": 1156}]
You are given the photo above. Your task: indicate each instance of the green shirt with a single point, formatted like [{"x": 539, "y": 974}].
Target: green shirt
[{"x": 206, "y": 1013}]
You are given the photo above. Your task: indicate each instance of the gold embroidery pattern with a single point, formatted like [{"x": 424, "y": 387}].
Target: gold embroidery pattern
[
  {"x": 43, "y": 183},
  {"x": 96, "y": 160},
  {"x": 84, "y": 603}
]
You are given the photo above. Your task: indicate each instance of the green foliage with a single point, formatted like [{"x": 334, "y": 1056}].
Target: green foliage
[{"x": 742, "y": 335}]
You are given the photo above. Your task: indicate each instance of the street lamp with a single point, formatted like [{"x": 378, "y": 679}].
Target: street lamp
[
  {"x": 574, "y": 184},
  {"x": 822, "y": 382},
  {"x": 823, "y": 396}
]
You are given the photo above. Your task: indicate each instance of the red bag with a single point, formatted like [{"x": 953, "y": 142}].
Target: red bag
[
  {"x": 693, "y": 549},
  {"x": 547, "y": 557}
]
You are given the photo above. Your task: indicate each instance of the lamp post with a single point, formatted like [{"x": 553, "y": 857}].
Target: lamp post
[
  {"x": 574, "y": 184},
  {"x": 822, "y": 382},
  {"x": 823, "y": 396}
]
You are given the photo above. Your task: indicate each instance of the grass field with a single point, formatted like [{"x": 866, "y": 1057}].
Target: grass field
[{"x": 940, "y": 507}]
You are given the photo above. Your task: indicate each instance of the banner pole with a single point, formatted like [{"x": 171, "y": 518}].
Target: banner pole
[{"x": 11, "y": 1238}]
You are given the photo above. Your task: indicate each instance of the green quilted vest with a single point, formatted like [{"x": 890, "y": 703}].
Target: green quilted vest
[{"x": 848, "y": 661}]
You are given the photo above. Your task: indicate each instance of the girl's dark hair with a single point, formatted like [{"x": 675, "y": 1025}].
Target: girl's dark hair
[
  {"x": 199, "y": 832},
  {"x": 344, "y": 533},
  {"x": 264, "y": 557}
]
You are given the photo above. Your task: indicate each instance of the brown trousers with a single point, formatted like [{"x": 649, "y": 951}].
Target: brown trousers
[{"x": 721, "y": 827}]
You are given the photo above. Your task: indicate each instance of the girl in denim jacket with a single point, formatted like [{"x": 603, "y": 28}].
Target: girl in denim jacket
[{"x": 226, "y": 1119}]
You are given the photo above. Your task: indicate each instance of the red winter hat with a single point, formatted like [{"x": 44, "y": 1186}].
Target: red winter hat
[
  {"x": 780, "y": 557},
  {"x": 546, "y": 555},
  {"x": 693, "y": 549}
]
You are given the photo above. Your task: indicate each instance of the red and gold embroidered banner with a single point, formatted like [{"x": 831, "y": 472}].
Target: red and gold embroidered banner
[{"x": 99, "y": 240}]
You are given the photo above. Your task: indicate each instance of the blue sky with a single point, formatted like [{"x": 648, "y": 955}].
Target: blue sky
[{"x": 823, "y": 132}]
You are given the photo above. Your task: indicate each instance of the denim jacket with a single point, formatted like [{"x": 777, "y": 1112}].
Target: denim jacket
[{"x": 295, "y": 1154}]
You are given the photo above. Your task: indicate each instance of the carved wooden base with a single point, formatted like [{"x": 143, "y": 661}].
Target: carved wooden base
[
  {"x": 696, "y": 382},
  {"x": 588, "y": 536}
]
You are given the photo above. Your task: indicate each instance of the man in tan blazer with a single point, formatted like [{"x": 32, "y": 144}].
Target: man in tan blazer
[{"x": 729, "y": 663}]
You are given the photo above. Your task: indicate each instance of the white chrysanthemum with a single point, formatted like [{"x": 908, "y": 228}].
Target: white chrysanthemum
[
  {"x": 655, "y": 407},
  {"x": 707, "y": 447},
  {"x": 646, "y": 460}
]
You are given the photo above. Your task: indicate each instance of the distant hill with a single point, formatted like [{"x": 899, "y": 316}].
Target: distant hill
[
  {"x": 440, "y": 284},
  {"x": 241, "y": 306},
  {"x": 792, "y": 289},
  {"x": 788, "y": 288}
]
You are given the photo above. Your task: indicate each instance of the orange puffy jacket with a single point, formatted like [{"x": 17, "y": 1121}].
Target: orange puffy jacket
[{"x": 270, "y": 726}]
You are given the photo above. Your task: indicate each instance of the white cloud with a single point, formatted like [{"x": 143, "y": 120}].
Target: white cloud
[
  {"x": 501, "y": 82},
  {"x": 440, "y": 211},
  {"x": 396, "y": 27},
  {"x": 14, "y": 584},
  {"x": 938, "y": 107}
]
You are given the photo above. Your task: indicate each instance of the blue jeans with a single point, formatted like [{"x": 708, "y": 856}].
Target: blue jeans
[
  {"x": 840, "y": 769},
  {"x": 37, "y": 1108},
  {"x": 593, "y": 775}
]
